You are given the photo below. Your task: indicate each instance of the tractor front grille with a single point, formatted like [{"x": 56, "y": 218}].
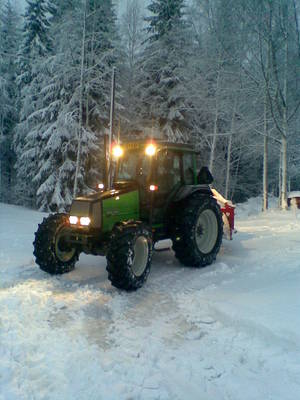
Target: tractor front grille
[
  {"x": 96, "y": 214},
  {"x": 88, "y": 208}
]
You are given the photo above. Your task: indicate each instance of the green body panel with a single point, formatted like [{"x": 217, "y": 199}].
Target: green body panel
[{"x": 120, "y": 207}]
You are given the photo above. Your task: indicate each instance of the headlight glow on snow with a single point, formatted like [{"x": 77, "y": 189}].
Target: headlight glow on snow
[
  {"x": 85, "y": 221},
  {"x": 117, "y": 151},
  {"x": 150, "y": 150},
  {"x": 73, "y": 219}
]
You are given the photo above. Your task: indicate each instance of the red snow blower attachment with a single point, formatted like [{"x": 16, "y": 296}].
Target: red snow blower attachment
[{"x": 227, "y": 209}]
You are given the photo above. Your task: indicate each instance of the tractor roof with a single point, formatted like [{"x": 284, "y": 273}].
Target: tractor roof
[{"x": 136, "y": 144}]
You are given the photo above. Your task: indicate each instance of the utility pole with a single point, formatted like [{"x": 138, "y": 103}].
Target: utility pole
[{"x": 111, "y": 127}]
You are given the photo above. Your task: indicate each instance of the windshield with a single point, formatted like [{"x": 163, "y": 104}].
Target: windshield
[{"x": 133, "y": 165}]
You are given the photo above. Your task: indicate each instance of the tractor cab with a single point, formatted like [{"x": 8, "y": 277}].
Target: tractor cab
[
  {"x": 159, "y": 170},
  {"x": 158, "y": 162}
]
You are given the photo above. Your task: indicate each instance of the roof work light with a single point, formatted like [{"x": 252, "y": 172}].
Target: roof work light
[
  {"x": 117, "y": 151},
  {"x": 150, "y": 149}
]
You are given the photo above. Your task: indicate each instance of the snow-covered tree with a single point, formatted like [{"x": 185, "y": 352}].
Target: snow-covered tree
[
  {"x": 76, "y": 102},
  {"x": 162, "y": 69},
  {"x": 9, "y": 40},
  {"x": 133, "y": 37},
  {"x": 33, "y": 70},
  {"x": 167, "y": 16}
]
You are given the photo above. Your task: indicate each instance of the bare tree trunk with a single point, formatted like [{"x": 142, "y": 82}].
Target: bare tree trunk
[
  {"x": 265, "y": 175},
  {"x": 279, "y": 177},
  {"x": 214, "y": 139},
  {"x": 1, "y": 141},
  {"x": 284, "y": 173},
  {"x": 266, "y": 111},
  {"x": 236, "y": 174},
  {"x": 229, "y": 147},
  {"x": 297, "y": 27},
  {"x": 228, "y": 164},
  {"x": 79, "y": 133},
  {"x": 265, "y": 162},
  {"x": 90, "y": 67},
  {"x": 284, "y": 130}
]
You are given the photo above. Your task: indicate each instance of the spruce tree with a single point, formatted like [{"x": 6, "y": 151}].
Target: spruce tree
[
  {"x": 133, "y": 37},
  {"x": 59, "y": 110},
  {"x": 72, "y": 104},
  {"x": 163, "y": 63},
  {"x": 33, "y": 70},
  {"x": 9, "y": 39},
  {"x": 167, "y": 16}
]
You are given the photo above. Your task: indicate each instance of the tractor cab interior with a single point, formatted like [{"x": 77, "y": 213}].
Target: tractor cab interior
[
  {"x": 163, "y": 170},
  {"x": 134, "y": 166}
]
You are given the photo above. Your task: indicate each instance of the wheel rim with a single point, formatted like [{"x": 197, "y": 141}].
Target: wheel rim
[
  {"x": 61, "y": 254},
  {"x": 140, "y": 257},
  {"x": 206, "y": 231}
]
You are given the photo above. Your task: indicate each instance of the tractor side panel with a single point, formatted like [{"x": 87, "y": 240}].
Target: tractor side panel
[{"x": 119, "y": 208}]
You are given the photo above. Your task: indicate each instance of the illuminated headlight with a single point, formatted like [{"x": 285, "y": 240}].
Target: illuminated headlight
[
  {"x": 101, "y": 186},
  {"x": 85, "y": 221},
  {"x": 73, "y": 220},
  {"x": 150, "y": 150}
]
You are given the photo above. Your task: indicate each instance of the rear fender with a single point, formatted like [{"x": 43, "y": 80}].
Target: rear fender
[
  {"x": 179, "y": 201},
  {"x": 189, "y": 190}
]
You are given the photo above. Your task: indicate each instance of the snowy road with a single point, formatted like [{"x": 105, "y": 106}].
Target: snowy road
[{"x": 229, "y": 331}]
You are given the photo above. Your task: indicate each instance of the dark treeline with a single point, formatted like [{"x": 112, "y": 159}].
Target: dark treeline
[{"x": 222, "y": 75}]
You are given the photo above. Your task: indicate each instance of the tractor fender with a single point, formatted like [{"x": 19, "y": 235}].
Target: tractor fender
[
  {"x": 179, "y": 200},
  {"x": 189, "y": 190}
]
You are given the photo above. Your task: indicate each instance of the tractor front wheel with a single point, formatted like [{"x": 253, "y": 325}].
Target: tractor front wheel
[
  {"x": 51, "y": 253},
  {"x": 129, "y": 255}
]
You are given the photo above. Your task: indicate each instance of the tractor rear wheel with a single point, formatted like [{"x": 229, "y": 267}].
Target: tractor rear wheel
[
  {"x": 198, "y": 234},
  {"x": 51, "y": 254},
  {"x": 129, "y": 255}
]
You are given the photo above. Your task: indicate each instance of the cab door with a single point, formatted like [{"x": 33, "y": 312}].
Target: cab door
[{"x": 168, "y": 178}]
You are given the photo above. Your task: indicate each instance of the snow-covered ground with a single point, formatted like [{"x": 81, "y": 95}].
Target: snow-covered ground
[{"x": 228, "y": 331}]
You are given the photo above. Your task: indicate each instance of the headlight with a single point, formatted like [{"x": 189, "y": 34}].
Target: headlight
[
  {"x": 85, "y": 221},
  {"x": 73, "y": 219}
]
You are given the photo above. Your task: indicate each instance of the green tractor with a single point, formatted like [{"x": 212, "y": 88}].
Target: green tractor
[{"x": 157, "y": 193}]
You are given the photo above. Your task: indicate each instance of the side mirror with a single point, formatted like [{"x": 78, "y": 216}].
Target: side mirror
[{"x": 205, "y": 177}]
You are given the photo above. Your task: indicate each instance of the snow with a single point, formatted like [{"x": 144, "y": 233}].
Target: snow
[
  {"x": 294, "y": 194},
  {"x": 228, "y": 331}
]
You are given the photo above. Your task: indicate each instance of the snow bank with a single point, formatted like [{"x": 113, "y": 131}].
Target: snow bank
[{"x": 253, "y": 206}]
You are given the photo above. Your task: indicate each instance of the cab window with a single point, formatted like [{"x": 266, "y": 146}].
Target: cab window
[
  {"x": 168, "y": 173},
  {"x": 188, "y": 168}
]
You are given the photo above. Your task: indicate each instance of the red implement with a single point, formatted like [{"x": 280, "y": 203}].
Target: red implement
[
  {"x": 228, "y": 212},
  {"x": 227, "y": 209}
]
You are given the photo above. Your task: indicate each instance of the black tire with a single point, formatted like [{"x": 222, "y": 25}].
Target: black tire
[
  {"x": 129, "y": 255},
  {"x": 198, "y": 231},
  {"x": 47, "y": 252}
]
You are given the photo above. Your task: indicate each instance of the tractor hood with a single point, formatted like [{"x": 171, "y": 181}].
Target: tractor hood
[
  {"x": 118, "y": 189},
  {"x": 106, "y": 208}
]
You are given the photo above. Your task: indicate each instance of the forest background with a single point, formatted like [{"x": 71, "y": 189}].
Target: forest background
[{"x": 221, "y": 75}]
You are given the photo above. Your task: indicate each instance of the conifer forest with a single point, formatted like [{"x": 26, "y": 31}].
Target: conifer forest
[{"x": 221, "y": 75}]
